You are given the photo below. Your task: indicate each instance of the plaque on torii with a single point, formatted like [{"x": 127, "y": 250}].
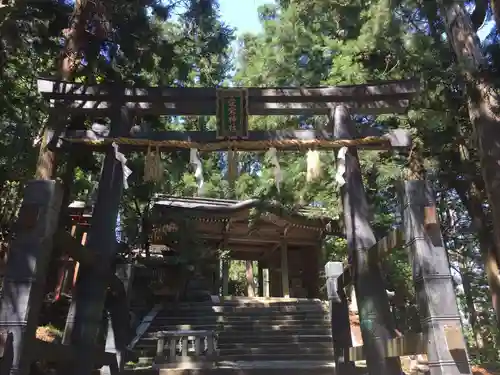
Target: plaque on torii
[{"x": 232, "y": 113}]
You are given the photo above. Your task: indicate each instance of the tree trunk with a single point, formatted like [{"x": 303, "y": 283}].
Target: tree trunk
[
  {"x": 483, "y": 112},
  {"x": 469, "y": 301},
  {"x": 76, "y": 41},
  {"x": 473, "y": 202}
]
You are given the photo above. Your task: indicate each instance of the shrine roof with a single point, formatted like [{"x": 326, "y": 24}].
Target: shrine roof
[{"x": 212, "y": 209}]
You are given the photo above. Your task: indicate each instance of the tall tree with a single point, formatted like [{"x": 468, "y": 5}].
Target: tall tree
[{"x": 484, "y": 113}]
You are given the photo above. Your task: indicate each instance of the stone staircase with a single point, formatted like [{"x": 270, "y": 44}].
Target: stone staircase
[{"x": 256, "y": 334}]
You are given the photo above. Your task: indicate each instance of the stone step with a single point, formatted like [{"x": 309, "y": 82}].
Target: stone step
[
  {"x": 247, "y": 313},
  {"x": 231, "y": 334},
  {"x": 292, "y": 367},
  {"x": 243, "y": 317},
  {"x": 263, "y": 336},
  {"x": 225, "y": 308},
  {"x": 277, "y": 357},
  {"x": 251, "y": 326},
  {"x": 229, "y": 371},
  {"x": 263, "y": 345},
  {"x": 250, "y": 339},
  {"x": 271, "y": 350},
  {"x": 148, "y": 346},
  {"x": 252, "y": 330},
  {"x": 255, "y": 300},
  {"x": 272, "y": 337},
  {"x": 150, "y": 343}
]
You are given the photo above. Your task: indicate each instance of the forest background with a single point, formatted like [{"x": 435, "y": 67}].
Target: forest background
[{"x": 301, "y": 43}]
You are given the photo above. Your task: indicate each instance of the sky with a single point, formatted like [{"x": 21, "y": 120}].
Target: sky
[{"x": 242, "y": 14}]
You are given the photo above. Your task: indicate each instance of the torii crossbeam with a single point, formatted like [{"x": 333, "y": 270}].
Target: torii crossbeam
[
  {"x": 104, "y": 100},
  {"x": 97, "y": 100}
]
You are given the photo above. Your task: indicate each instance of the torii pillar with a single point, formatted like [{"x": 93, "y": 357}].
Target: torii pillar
[
  {"x": 376, "y": 321},
  {"x": 435, "y": 294}
]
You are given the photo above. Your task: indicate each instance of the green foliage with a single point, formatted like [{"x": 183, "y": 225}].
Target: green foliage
[
  {"x": 308, "y": 43},
  {"x": 320, "y": 42}
]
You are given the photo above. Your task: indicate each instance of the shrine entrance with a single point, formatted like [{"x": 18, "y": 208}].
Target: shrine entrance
[
  {"x": 122, "y": 105},
  {"x": 285, "y": 245}
]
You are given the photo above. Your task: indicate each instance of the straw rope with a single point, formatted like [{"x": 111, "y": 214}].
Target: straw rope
[{"x": 240, "y": 145}]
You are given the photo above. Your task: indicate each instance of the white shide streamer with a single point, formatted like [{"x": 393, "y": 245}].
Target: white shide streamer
[
  {"x": 278, "y": 174},
  {"x": 198, "y": 172},
  {"x": 123, "y": 160},
  {"x": 313, "y": 165},
  {"x": 339, "y": 176}
]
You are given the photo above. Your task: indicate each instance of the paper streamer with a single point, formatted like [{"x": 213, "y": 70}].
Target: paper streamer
[
  {"x": 278, "y": 175},
  {"x": 153, "y": 170},
  {"x": 123, "y": 160},
  {"x": 148, "y": 162},
  {"x": 158, "y": 168},
  {"x": 313, "y": 165},
  {"x": 339, "y": 176},
  {"x": 194, "y": 159}
]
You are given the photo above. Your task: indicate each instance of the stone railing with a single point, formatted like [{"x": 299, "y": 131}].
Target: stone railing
[{"x": 195, "y": 346}]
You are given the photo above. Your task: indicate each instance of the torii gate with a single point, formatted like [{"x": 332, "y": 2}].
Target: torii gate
[{"x": 38, "y": 217}]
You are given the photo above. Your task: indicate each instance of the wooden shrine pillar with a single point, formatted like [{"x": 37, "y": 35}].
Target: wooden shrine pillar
[
  {"x": 266, "y": 283},
  {"x": 439, "y": 314},
  {"x": 25, "y": 274},
  {"x": 260, "y": 278},
  {"x": 217, "y": 280},
  {"x": 285, "y": 281},
  {"x": 250, "y": 278},
  {"x": 376, "y": 321},
  {"x": 225, "y": 277},
  {"x": 86, "y": 312}
]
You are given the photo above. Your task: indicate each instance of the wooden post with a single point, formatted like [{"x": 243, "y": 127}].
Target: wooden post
[
  {"x": 225, "y": 277},
  {"x": 160, "y": 348},
  {"x": 217, "y": 278},
  {"x": 184, "y": 348},
  {"x": 68, "y": 180},
  {"x": 24, "y": 280},
  {"x": 117, "y": 304},
  {"x": 89, "y": 297},
  {"x": 197, "y": 346},
  {"x": 285, "y": 283},
  {"x": 261, "y": 279},
  {"x": 172, "y": 349},
  {"x": 249, "y": 277},
  {"x": 77, "y": 265},
  {"x": 440, "y": 318},
  {"x": 64, "y": 263},
  {"x": 376, "y": 322},
  {"x": 341, "y": 333},
  {"x": 265, "y": 281},
  {"x": 210, "y": 344}
]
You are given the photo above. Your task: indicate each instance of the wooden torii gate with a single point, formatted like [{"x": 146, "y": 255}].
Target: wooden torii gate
[{"x": 232, "y": 107}]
